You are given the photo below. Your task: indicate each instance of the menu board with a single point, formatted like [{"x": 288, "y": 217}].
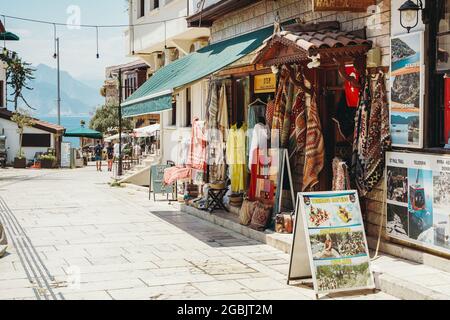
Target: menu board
[
  {"x": 418, "y": 199},
  {"x": 333, "y": 232}
]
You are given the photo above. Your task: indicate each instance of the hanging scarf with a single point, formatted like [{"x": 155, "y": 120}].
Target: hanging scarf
[
  {"x": 222, "y": 117},
  {"x": 280, "y": 104},
  {"x": 287, "y": 115},
  {"x": 314, "y": 153},
  {"x": 341, "y": 179},
  {"x": 212, "y": 107},
  {"x": 297, "y": 135},
  {"x": 372, "y": 137},
  {"x": 270, "y": 109}
]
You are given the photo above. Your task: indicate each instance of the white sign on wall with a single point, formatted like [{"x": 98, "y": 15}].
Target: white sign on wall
[{"x": 418, "y": 199}]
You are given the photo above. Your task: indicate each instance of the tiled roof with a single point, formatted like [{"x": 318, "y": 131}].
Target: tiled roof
[
  {"x": 38, "y": 124},
  {"x": 307, "y": 44}
]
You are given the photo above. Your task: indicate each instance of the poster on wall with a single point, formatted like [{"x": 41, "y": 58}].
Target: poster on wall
[
  {"x": 418, "y": 199},
  {"x": 329, "y": 227},
  {"x": 407, "y": 88}
]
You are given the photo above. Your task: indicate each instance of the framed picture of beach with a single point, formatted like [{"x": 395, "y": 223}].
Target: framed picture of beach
[{"x": 407, "y": 90}]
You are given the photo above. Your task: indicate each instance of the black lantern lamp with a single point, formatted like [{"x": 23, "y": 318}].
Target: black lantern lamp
[{"x": 409, "y": 14}]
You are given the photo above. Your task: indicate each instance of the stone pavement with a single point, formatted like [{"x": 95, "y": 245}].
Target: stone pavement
[{"x": 72, "y": 236}]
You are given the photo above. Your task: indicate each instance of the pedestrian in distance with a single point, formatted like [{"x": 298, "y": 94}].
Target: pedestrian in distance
[
  {"x": 98, "y": 150},
  {"x": 110, "y": 153}
]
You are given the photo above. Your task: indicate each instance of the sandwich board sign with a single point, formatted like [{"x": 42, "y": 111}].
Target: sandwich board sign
[
  {"x": 157, "y": 185},
  {"x": 330, "y": 243}
]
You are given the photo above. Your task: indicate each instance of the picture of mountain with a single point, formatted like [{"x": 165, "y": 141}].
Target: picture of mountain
[
  {"x": 77, "y": 98},
  {"x": 400, "y": 50}
]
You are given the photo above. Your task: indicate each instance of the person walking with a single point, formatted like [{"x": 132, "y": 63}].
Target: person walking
[
  {"x": 110, "y": 153},
  {"x": 98, "y": 150}
]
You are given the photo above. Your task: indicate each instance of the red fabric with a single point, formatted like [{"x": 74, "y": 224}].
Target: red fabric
[
  {"x": 352, "y": 93},
  {"x": 173, "y": 174},
  {"x": 253, "y": 176}
]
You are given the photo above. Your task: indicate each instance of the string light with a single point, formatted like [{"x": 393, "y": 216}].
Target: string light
[{"x": 97, "y": 27}]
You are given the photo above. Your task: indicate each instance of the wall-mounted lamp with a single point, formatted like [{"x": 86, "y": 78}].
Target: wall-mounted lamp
[{"x": 409, "y": 14}]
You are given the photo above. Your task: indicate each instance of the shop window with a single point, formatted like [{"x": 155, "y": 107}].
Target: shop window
[
  {"x": 188, "y": 108},
  {"x": 36, "y": 140},
  {"x": 154, "y": 4},
  {"x": 174, "y": 112},
  {"x": 439, "y": 75},
  {"x": 141, "y": 8},
  {"x": 241, "y": 99}
]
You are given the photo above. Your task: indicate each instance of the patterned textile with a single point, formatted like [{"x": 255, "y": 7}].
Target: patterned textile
[
  {"x": 372, "y": 136},
  {"x": 297, "y": 135},
  {"x": 287, "y": 115},
  {"x": 260, "y": 217},
  {"x": 259, "y": 139},
  {"x": 197, "y": 155},
  {"x": 270, "y": 109},
  {"x": 222, "y": 116},
  {"x": 341, "y": 178},
  {"x": 280, "y": 106},
  {"x": 213, "y": 107},
  {"x": 314, "y": 153}
]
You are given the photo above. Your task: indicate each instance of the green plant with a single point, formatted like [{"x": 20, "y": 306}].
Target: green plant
[
  {"x": 106, "y": 118},
  {"x": 23, "y": 120},
  {"x": 18, "y": 73},
  {"x": 49, "y": 157}
]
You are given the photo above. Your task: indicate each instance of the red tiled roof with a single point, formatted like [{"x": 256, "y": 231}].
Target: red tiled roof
[{"x": 38, "y": 124}]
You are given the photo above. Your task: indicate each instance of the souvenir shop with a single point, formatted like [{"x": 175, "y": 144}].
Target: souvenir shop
[{"x": 305, "y": 115}]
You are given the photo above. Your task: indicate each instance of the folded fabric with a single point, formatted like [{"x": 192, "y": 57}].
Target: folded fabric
[{"x": 173, "y": 174}]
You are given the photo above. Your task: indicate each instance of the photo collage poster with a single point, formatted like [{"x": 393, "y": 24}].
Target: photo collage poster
[
  {"x": 406, "y": 90},
  {"x": 336, "y": 241},
  {"x": 418, "y": 199}
]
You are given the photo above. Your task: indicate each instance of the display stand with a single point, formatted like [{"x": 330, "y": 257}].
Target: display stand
[
  {"x": 156, "y": 185},
  {"x": 329, "y": 243},
  {"x": 285, "y": 165}
]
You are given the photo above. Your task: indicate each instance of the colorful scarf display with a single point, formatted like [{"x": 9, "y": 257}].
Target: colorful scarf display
[
  {"x": 270, "y": 109},
  {"x": 314, "y": 150},
  {"x": 212, "y": 108},
  {"x": 297, "y": 134},
  {"x": 280, "y": 107},
  {"x": 371, "y": 137}
]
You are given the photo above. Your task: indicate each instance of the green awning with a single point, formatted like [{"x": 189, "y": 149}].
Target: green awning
[
  {"x": 155, "y": 94},
  {"x": 8, "y": 36},
  {"x": 83, "y": 132}
]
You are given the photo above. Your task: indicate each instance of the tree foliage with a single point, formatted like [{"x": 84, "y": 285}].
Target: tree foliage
[
  {"x": 23, "y": 120},
  {"x": 18, "y": 73},
  {"x": 106, "y": 119}
]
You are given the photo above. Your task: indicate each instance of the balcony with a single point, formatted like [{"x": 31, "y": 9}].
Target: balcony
[{"x": 150, "y": 34}]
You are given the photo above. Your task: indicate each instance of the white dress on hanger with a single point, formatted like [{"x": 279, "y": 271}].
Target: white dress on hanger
[{"x": 260, "y": 136}]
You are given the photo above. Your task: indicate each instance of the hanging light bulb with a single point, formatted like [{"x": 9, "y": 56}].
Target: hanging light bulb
[{"x": 96, "y": 30}]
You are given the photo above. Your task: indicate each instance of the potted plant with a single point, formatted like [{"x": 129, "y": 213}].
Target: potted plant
[
  {"x": 22, "y": 120},
  {"x": 48, "y": 161}
]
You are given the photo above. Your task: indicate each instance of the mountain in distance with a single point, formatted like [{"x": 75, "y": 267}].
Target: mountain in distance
[
  {"x": 400, "y": 50},
  {"x": 77, "y": 98},
  {"x": 396, "y": 119}
]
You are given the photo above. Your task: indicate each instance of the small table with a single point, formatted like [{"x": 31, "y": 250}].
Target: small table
[{"x": 215, "y": 199}]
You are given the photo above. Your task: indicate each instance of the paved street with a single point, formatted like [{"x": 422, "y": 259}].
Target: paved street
[{"x": 72, "y": 236}]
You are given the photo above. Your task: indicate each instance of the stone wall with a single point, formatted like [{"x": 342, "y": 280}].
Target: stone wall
[{"x": 262, "y": 14}]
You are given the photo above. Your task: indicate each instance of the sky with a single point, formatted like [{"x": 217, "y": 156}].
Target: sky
[{"x": 77, "y": 47}]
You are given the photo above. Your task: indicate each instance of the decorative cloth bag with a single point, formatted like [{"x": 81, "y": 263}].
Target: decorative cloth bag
[
  {"x": 246, "y": 212},
  {"x": 260, "y": 216}
]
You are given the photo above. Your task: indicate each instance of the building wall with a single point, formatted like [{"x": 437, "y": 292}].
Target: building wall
[
  {"x": 13, "y": 140},
  {"x": 262, "y": 14}
]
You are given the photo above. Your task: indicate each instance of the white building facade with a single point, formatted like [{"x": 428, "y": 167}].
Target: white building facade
[{"x": 159, "y": 35}]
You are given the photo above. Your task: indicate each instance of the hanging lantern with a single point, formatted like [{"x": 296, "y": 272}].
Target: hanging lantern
[{"x": 409, "y": 14}]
